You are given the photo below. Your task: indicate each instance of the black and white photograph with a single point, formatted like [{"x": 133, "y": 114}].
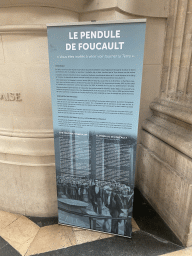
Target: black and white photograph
[{"x": 95, "y": 181}]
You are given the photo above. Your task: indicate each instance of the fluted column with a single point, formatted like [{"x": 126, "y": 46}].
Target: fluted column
[{"x": 176, "y": 83}]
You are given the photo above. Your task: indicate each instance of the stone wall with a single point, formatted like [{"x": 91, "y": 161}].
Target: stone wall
[{"x": 165, "y": 156}]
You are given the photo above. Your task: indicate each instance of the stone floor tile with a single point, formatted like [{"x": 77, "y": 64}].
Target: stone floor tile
[
  {"x": 20, "y": 233},
  {"x": 77, "y": 229},
  {"x": 105, "y": 235},
  {"x": 7, "y": 218},
  {"x": 149, "y": 221},
  {"x": 142, "y": 244},
  {"x": 85, "y": 236},
  {"x": 51, "y": 238}
]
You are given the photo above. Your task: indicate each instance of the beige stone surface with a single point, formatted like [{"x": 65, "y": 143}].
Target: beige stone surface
[
  {"x": 27, "y": 177},
  {"x": 104, "y": 236},
  {"x": 135, "y": 227},
  {"x": 173, "y": 134},
  {"x": 153, "y": 54},
  {"x": 41, "y": 198},
  {"x": 28, "y": 189},
  {"x": 1, "y": 51},
  {"x": 18, "y": 48},
  {"x": 27, "y": 146},
  {"x": 179, "y": 162},
  {"x": 124, "y": 16},
  {"x": 154, "y": 41},
  {"x": 27, "y": 238},
  {"x": 167, "y": 190},
  {"x": 11, "y": 190},
  {"x": 85, "y": 236},
  {"x": 31, "y": 160},
  {"x": 14, "y": 81},
  {"x": 32, "y": 112},
  {"x": 74, "y": 5},
  {"x": 149, "y": 8},
  {"x": 98, "y": 15},
  {"x": 176, "y": 78},
  {"x": 135, "y": 7},
  {"x": 20, "y": 234},
  {"x": 38, "y": 88},
  {"x": 149, "y": 91},
  {"x": 35, "y": 15},
  {"x": 52, "y": 238},
  {"x": 6, "y": 218},
  {"x": 99, "y": 5}
]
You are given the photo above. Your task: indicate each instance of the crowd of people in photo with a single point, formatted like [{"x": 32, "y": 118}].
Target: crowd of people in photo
[{"x": 101, "y": 194}]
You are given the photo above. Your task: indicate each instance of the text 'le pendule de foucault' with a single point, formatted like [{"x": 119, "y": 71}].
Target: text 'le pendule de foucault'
[{"x": 97, "y": 34}]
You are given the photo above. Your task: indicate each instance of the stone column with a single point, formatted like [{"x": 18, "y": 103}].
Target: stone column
[
  {"x": 27, "y": 161},
  {"x": 164, "y": 172}
]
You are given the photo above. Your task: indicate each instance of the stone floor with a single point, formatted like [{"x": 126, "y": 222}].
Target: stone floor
[{"x": 20, "y": 235}]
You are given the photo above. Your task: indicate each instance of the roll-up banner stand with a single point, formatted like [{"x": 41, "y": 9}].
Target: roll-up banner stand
[{"x": 96, "y": 73}]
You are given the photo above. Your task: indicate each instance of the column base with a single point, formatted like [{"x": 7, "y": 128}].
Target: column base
[{"x": 164, "y": 174}]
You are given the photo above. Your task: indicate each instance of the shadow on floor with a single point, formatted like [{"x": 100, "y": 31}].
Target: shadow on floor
[{"x": 149, "y": 220}]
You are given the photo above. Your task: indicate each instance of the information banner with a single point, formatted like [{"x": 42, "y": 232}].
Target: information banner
[{"x": 96, "y": 73}]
